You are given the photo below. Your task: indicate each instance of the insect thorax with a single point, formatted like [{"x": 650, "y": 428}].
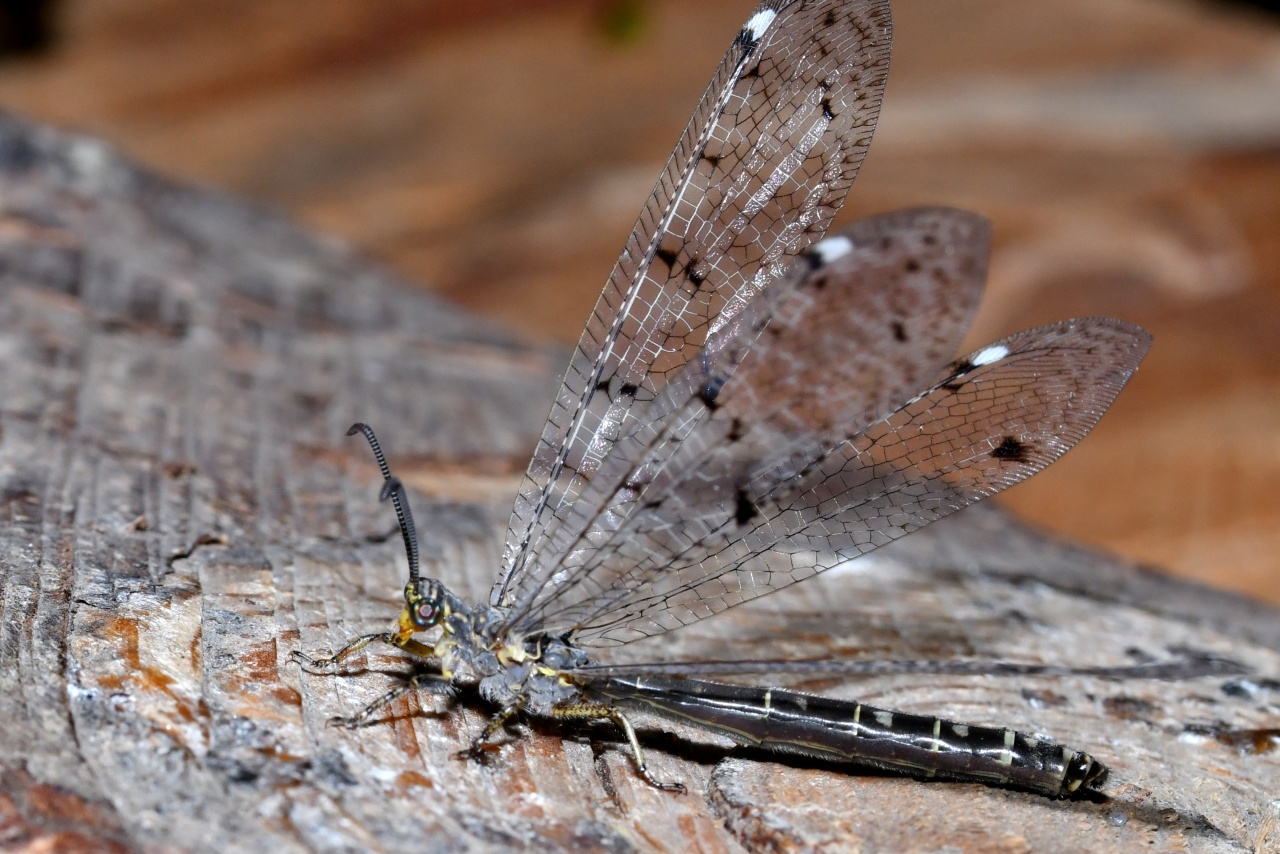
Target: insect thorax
[
  {"x": 531, "y": 675},
  {"x": 511, "y": 671}
]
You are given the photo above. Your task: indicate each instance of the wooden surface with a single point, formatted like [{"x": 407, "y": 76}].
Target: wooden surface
[{"x": 180, "y": 512}]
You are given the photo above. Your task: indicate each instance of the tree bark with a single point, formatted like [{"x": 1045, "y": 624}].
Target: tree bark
[{"x": 181, "y": 511}]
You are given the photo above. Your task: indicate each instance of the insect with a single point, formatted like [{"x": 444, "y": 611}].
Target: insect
[{"x": 751, "y": 404}]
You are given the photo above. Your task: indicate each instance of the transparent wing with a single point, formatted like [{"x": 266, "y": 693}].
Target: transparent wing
[
  {"x": 860, "y": 323},
  {"x": 991, "y": 420},
  {"x": 757, "y": 176}
]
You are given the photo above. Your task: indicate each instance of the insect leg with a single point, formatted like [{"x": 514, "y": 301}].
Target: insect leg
[
  {"x": 432, "y": 683},
  {"x": 497, "y": 722},
  {"x": 325, "y": 664},
  {"x": 599, "y": 711}
]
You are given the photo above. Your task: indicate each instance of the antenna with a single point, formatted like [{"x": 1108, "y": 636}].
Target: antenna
[{"x": 392, "y": 488}]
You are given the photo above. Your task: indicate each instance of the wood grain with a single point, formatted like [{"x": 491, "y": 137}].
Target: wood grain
[{"x": 180, "y": 512}]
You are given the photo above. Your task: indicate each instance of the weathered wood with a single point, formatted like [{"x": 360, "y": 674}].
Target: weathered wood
[{"x": 181, "y": 511}]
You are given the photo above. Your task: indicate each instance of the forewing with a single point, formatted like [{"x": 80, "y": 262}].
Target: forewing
[
  {"x": 757, "y": 176},
  {"x": 993, "y": 419},
  {"x": 858, "y": 325}
]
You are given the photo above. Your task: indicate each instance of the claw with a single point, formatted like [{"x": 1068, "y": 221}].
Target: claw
[
  {"x": 310, "y": 664},
  {"x": 477, "y": 752},
  {"x": 357, "y": 721}
]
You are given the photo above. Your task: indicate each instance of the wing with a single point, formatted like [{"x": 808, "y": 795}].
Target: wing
[
  {"x": 860, "y": 323},
  {"x": 756, "y": 178},
  {"x": 991, "y": 420}
]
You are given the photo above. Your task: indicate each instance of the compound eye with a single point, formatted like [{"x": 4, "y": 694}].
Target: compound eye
[{"x": 425, "y": 614}]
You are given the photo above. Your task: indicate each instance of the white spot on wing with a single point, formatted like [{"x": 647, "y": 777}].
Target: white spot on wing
[
  {"x": 760, "y": 22},
  {"x": 990, "y": 354},
  {"x": 832, "y": 248}
]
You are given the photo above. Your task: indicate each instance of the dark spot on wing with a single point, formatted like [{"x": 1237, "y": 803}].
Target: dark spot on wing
[
  {"x": 899, "y": 331},
  {"x": 629, "y": 390},
  {"x": 912, "y": 265},
  {"x": 711, "y": 390},
  {"x": 1011, "y": 449},
  {"x": 826, "y": 109},
  {"x": 744, "y": 510},
  {"x": 959, "y": 368},
  {"x": 736, "y": 430},
  {"x": 666, "y": 256}
]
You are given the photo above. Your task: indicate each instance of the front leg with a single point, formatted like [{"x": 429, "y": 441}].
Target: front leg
[
  {"x": 430, "y": 682},
  {"x": 329, "y": 664},
  {"x": 323, "y": 666},
  {"x": 433, "y": 683}
]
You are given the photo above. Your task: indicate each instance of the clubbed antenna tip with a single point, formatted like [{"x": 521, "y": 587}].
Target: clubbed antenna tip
[{"x": 392, "y": 488}]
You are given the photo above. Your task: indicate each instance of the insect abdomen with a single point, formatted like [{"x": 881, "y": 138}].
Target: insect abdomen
[{"x": 844, "y": 731}]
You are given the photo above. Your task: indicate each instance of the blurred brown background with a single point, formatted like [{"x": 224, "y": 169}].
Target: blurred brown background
[{"x": 1128, "y": 152}]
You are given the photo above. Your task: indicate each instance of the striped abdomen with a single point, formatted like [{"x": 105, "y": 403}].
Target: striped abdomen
[{"x": 843, "y": 731}]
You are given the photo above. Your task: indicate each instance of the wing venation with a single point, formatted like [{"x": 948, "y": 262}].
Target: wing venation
[
  {"x": 759, "y": 172},
  {"x": 859, "y": 324},
  {"x": 989, "y": 421}
]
